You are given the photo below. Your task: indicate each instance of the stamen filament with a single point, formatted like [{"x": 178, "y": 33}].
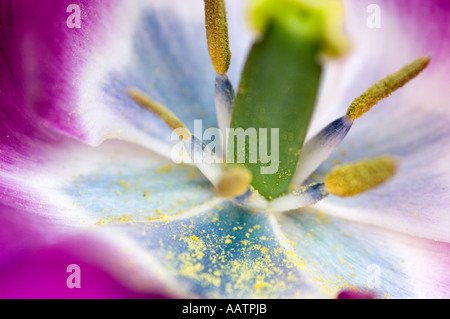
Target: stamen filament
[
  {"x": 205, "y": 160},
  {"x": 298, "y": 198},
  {"x": 217, "y": 34},
  {"x": 317, "y": 149},
  {"x": 385, "y": 87},
  {"x": 355, "y": 178},
  {"x": 224, "y": 96}
]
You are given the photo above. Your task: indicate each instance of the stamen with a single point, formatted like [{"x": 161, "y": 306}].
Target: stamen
[
  {"x": 318, "y": 148},
  {"x": 217, "y": 34},
  {"x": 234, "y": 182},
  {"x": 385, "y": 87},
  {"x": 355, "y": 178},
  {"x": 161, "y": 111}
]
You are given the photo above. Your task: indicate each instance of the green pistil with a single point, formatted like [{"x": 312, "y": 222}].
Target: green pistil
[{"x": 278, "y": 91}]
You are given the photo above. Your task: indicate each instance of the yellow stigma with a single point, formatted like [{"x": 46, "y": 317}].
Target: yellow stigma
[
  {"x": 323, "y": 19},
  {"x": 385, "y": 87},
  {"x": 217, "y": 34},
  {"x": 234, "y": 182},
  {"x": 161, "y": 111},
  {"x": 337, "y": 42},
  {"x": 354, "y": 178}
]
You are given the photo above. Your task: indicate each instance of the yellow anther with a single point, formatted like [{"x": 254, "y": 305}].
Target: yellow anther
[
  {"x": 161, "y": 111},
  {"x": 234, "y": 182},
  {"x": 354, "y": 178},
  {"x": 217, "y": 34},
  {"x": 385, "y": 87}
]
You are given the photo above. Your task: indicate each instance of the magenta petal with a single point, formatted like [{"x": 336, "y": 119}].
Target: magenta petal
[
  {"x": 352, "y": 294},
  {"x": 42, "y": 55},
  {"x": 44, "y": 275},
  {"x": 22, "y": 136},
  {"x": 34, "y": 259}
]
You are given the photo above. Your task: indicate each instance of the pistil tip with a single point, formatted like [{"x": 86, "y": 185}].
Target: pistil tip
[
  {"x": 322, "y": 19},
  {"x": 355, "y": 178},
  {"x": 234, "y": 182}
]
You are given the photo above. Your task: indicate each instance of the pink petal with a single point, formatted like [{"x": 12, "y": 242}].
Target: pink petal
[{"x": 35, "y": 256}]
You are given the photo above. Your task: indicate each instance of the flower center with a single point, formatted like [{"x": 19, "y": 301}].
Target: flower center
[{"x": 278, "y": 90}]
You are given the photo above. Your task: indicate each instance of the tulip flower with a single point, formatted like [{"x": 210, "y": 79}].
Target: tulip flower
[{"x": 93, "y": 205}]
